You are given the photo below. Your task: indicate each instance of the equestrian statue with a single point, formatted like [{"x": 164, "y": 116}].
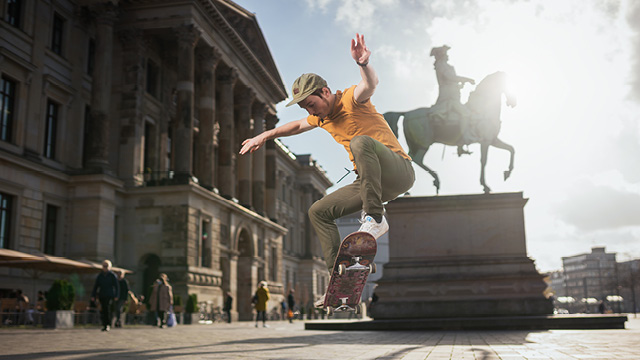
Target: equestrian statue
[{"x": 449, "y": 122}]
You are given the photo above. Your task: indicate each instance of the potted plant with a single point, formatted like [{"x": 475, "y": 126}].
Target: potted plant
[
  {"x": 192, "y": 313},
  {"x": 59, "y": 304}
]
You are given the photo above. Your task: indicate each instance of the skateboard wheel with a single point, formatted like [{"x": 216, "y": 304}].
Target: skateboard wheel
[
  {"x": 342, "y": 269},
  {"x": 372, "y": 268},
  {"x": 329, "y": 311}
]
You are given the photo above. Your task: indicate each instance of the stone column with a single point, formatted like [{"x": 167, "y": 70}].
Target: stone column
[
  {"x": 226, "y": 77},
  {"x": 270, "y": 167},
  {"x": 97, "y": 157},
  {"x": 187, "y": 37},
  {"x": 244, "y": 123},
  {"x": 131, "y": 107},
  {"x": 204, "y": 162},
  {"x": 259, "y": 159}
]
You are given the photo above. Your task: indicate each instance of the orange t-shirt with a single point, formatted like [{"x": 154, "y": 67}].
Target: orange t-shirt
[{"x": 350, "y": 118}]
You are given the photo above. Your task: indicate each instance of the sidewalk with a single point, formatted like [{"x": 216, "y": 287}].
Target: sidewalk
[{"x": 290, "y": 341}]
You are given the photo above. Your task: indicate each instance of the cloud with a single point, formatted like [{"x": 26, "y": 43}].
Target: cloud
[
  {"x": 633, "y": 19},
  {"x": 591, "y": 207}
]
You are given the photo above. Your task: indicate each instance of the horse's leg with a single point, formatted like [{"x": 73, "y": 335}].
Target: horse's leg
[
  {"x": 417, "y": 157},
  {"x": 503, "y": 145},
  {"x": 484, "y": 153}
]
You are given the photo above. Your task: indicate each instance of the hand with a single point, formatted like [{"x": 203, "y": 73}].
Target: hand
[
  {"x": 359, "y": 51},
  {"x": 251, "y": 145}
]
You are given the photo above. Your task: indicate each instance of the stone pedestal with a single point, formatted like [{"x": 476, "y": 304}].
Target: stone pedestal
[{"x": 459, "y": 256}]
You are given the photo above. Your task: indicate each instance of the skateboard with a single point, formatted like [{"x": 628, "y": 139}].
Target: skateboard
[{"x": 353, "y": 265}]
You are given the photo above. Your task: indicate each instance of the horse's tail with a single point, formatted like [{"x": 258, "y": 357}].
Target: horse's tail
[{"x": 392, "y": 120}]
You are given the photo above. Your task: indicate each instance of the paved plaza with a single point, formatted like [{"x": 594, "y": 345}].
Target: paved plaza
[{"x": 282, "y": 340}]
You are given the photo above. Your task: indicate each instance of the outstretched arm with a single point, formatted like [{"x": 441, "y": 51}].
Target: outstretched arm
[
  {"x": 367, "y": 86},
  {"x": 288, "y": 129}
]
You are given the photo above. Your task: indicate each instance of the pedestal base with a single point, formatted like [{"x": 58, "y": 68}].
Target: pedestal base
[{"x": 459, "y": 256}]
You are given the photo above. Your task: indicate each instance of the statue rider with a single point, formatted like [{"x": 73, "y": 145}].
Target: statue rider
[{"x": 448, "y": 106}]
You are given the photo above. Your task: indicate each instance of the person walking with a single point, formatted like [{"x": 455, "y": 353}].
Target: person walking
[
  {"x": 228, "y": 304},
  {"x": 291, "y": 303},
  {"x": 107, "y": 290},
  {"x": 124, "y": 296},
  {"x": 262, "y": 297},
  {"x": 161, "y": 299},
  {"x": 383, "y": 169}
]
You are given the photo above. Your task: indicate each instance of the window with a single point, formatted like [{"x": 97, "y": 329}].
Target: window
[
  {"x": 50, "y": 230},
  {"x": 57, "y": 33},
  {"x": 51, "y": 124},
  {"x": 5, "y": 219},
  {"x": 7, "y": 100},
  {"x": 91, "y": 56},
  {"x": 153, "y": 79},
  {"x": 14, "y": 13},
  {"x": 205, "y": 244},
  {"x": 86, "y": 146}
]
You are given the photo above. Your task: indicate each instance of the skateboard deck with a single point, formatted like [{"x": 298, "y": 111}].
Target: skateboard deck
[{"x": 353, "y": 265}]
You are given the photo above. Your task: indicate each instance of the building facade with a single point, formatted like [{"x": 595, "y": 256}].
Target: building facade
[{"x": 121, "y": 122}]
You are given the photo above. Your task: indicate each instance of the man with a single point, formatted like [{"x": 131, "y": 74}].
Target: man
[
  {"x": 124, "y": 295},
  {"x": 228, "y": 304},
  {"x": 291, "y": 304},
  {"x": 384, "y": 169},
  {"x": 262, "y": 297},
  {"x": 107, "y": 289},
  {"x": 448, "y": 106}
]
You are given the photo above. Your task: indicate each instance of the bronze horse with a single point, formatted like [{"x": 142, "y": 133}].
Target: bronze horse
[{"x": 421, "y": 129}]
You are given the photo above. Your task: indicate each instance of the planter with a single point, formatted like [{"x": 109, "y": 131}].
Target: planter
[
  {"x": 191, "y": 318},
  {"x": 59, "y": 319}
]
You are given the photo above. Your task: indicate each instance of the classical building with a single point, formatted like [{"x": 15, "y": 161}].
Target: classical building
[{"x": 120, "y": 127}]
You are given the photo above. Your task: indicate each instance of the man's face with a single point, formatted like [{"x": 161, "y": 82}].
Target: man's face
[
  {"x": 105, "y": 267},
  {"x": 317, "y": 105}
]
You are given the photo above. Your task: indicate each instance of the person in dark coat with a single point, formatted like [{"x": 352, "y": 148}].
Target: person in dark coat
[
  {"x": 124, "y": 296},
  {"x": 107, "y": 289},
  {"x": 291, "y": 303},
  {"x": 228, "y": 304}
]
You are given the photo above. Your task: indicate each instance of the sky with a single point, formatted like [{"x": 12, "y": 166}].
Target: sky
[{"x": 573, "y": 64}]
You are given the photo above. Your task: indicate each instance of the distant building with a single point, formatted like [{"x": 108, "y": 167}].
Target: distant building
[
  {"x": 629, "y": 282},
  {"x": 120, "y": 127},
  {"x": 589, "y": 278}
]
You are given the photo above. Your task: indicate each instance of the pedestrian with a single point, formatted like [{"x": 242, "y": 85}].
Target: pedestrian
[
  {"x": 383, "y": 169},
  {"x": 602, "y": 307},
  {"x": 262, "y": 297},
  {"x": 124, "y": 296},
  {"x": 161, "y": 299},
  {"x": 291, "y": 303},
  {"x": 228, "y": 304},
  {"x": 107, "y": 290}
]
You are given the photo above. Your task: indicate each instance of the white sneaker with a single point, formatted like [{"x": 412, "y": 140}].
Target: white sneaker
[
  {"x": 319, "y": 304},
  {"x": 370, "y": 225}
]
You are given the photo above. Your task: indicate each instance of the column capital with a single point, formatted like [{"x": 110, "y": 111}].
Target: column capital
[
  {"x": 104, "y": 12},
  {"x": 245, "y": 96},
  {"x": 208, "y": 56},
  {"x": 187, "y": 35},
  {"x": 258, "y": 110},
  {"x": 226, "y": 74},
  {"x": 132, "y": 38},
  {"x": 271, "y": 121}
]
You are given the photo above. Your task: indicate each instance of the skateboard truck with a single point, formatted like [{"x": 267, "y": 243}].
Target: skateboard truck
[
  {"x": 344, "y": 306},
  {"x": 357, "y": 265}
]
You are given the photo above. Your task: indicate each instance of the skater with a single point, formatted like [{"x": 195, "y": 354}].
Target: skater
[{"x": 383, "y": 169}]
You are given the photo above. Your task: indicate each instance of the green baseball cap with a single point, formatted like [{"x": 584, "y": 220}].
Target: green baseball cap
[{"x": 305, "y": 85}]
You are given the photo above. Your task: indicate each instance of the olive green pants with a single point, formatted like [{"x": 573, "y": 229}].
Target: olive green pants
[{"x": 382, "y": 176}]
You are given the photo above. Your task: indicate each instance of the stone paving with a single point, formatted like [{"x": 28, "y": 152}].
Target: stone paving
[{"x": 282, "y": 340}]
